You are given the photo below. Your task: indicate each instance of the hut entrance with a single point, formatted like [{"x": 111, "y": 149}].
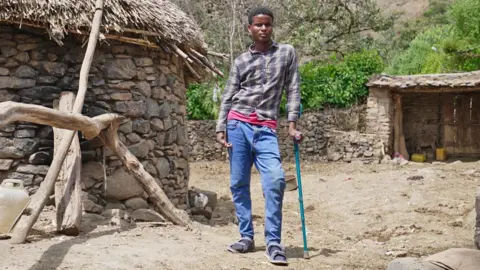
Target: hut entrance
[{"x": 461, "y": 122}]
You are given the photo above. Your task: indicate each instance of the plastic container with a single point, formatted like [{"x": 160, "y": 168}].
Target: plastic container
[
  {"x": 419, "y": 158},
  {"x": 13, "y": 201},
  {"x": 441, "y": 154}
]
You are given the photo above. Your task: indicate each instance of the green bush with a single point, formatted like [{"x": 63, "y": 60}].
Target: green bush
[
  {"x": 424, "y": 54},
  {"x": 202, "y": 102},
  {"x": 464, "y": 13},
  {"x": 452, "y": 47},
  {"x": 339, "y": 82}
]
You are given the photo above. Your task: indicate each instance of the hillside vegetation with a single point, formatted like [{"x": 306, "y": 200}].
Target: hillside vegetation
[{"x": 341, "y": 44}]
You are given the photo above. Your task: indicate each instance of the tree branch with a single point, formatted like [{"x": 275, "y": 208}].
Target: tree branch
[
  {"x": 157, "y": 197},
  {"x": 90, "y": 127}
]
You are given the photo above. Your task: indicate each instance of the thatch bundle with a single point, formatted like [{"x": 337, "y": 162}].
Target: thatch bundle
[{"x": 159, "y": 18}]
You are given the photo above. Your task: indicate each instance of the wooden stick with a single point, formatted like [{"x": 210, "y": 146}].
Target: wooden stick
[
  {"x": 222, "y": 55},
  {"x": 14, "y": 111},
  {"x": 68, "y": 189},
  {"x": 401, "y": 144},
  {"x": 141, "y": 42},
  {"x": 396, "y": 124},
  {"x": 109, "y": 137},
  {"x": 157, "y": 197},
  {"x": 190, "y": 68},
  {"x": 181, "y": 53},
  {"x": 44, "y": 25},
  {"x": 11, "y": 111},
  {"x": 207, "y": 63},
  {"x": 40, "y": 198},
  {"x": 136, "y": 41},
  {"x": 196, "y": 60}
]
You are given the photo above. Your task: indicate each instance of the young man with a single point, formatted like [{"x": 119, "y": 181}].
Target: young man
[{"x": 247, "y": 125}]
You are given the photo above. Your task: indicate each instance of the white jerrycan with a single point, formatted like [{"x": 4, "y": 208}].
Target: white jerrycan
[{"x": 13, "y": 201}]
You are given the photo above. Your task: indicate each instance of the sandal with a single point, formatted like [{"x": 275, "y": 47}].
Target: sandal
[
  {"x": 243, "y": 245},
  {"x": 275, "y": 254}
]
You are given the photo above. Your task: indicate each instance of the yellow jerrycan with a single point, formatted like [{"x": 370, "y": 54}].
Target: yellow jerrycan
[{"x": 13, "y": 201}]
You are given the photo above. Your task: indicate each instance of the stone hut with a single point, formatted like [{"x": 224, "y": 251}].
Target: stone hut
[
  {"x": 430, "y": 111},
  {"x": 140, "y": 70}
]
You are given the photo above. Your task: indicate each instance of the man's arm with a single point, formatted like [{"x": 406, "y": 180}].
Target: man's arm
[
  {"x": 293, "y": 92},
  {"x": 231, "y": 88}
]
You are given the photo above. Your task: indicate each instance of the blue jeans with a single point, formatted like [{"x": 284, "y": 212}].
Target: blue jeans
[{"x": 257, "y": 145}]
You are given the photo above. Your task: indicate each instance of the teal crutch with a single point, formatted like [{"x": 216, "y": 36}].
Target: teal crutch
[{"x": 300, "y": 193}]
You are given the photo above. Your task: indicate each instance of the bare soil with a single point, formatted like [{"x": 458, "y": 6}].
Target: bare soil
[{"x": 358, "y": 217}]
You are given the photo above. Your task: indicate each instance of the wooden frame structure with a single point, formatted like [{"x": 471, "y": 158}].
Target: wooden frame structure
[{"x": 454, "y": 132}]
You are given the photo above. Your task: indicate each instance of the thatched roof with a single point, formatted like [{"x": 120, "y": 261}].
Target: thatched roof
[
  {"x": 432, "y": 81},
  {"x": 159, "y": 18}
]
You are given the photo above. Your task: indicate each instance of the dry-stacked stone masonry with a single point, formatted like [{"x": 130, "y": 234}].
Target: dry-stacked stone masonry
[
  {"x": 330, "y": 135},
  {"x": 146, "y": 86}
]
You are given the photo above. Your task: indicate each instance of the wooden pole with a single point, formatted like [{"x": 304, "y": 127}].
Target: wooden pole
[
  {"x": 396, "y": 124},
  {"x": 106, "y": 127},
  {"x": 40, "y": 198},
  {"x": 156, "y": 196},
  {"x": 68, "y": 189},
  {"x": 399, "y": 141}
]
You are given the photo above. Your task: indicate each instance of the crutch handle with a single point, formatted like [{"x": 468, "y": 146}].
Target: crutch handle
[{"x": 297, "y": 137}]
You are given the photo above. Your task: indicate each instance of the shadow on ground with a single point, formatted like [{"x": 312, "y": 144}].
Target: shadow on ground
[
  {"x": 297, "y": 252},
  {"x": 53, "y": 257}
]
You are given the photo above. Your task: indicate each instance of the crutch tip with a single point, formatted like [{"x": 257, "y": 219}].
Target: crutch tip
[{"x": 306, "y": 255}]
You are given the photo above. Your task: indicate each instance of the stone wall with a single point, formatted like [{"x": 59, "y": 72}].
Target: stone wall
[
  {"x": 144, "y": 85},
  {"x": 331, "y": 135},
  {"x": 421, "y": 114},
  {"x": 380, "y": 115}
]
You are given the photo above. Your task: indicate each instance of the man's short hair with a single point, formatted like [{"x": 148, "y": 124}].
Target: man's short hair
[{"x": 257, "y": 11}]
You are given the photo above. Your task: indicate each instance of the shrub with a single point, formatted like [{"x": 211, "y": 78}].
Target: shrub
[
  {"x": 203, "y": 100},
  {"x": 339, "y": 82}
]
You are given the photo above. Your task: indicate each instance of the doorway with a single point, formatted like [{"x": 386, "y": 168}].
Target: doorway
[{"x": 461, "y": 124}]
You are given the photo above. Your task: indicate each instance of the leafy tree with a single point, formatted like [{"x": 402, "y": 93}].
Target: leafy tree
[
  {"x": 320, "y": 27},
  {"x": 451, "y": 47},
  {"x": 315, "y": 28},
  {"x": 464, "y": 45},
  {"x": 424, "y": 55}
]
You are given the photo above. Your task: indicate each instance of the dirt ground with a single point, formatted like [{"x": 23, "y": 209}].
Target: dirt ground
[{"x": 358, "y": 217}]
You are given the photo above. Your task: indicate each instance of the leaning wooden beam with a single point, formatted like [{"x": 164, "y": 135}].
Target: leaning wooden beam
[
  {"x": 90, "y": 127},
  {"x": 68, "y": 189},
  {"x": 190, "y": 68},
  {"x": 110, "y": 123},
  {"x": 222, "y": 55},
  {"x": 396, "y": 124},
  {"x": 196, "y": 60},
  {"x": 399, "y": 136},
  {"x": 157, "y": 197},
  {"x": 402, "y": 145},
  {"x": 181, "y": 53},
  {"x": 40, "y": 198},
  {"x": 207, "y": 63}
]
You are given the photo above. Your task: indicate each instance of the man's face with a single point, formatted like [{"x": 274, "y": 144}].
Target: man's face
[{"x": 261, "y": 28}]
